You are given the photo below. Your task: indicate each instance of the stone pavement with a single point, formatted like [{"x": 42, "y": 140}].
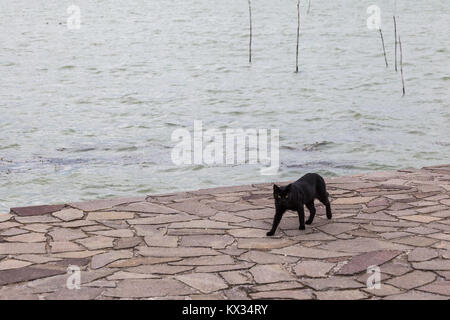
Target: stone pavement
[{"x": 211, "y": 244}]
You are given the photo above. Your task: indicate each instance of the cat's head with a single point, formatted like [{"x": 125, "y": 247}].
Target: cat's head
[{"x": 281, "y": 194}]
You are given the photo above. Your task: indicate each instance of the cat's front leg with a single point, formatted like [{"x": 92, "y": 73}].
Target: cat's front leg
[
  {"x": 276, "y": 222},
  {"x": 301, "y": 217}
]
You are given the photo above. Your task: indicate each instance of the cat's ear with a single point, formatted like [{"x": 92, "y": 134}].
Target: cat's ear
[
  {"x": 288, "y": 188},
  {"x": 276, "y": 189}
]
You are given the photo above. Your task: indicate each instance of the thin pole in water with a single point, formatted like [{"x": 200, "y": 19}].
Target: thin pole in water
[
  {"x": 395, "y": 35},
  {"x": 250, "y": 40},
  {"x": 384, "y": 49},
  {"x": 298, "y": 34},
  {"x": 309, "y": 6},
  {"x": 401, "y": 64}
]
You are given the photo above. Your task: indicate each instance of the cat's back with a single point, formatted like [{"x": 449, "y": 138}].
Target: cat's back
[{"x": 310, "y": 178}]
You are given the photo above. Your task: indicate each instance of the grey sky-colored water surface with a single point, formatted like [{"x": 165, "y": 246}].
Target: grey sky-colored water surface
[{"x": 89, "y": 113}]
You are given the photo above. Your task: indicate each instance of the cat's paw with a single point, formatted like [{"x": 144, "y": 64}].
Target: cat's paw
[
  {"x": 301, "y": 228},
  {"x": 308, "y": 222},
  {"x": 270, "y": 233}
]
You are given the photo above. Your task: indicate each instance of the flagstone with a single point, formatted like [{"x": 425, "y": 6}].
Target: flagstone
[
  {"x": 26, "y": 274},
  {"x": 126, "y": 243},
  {"x": 334, "y": 282},
  {"x": 162, "y": 219},
  {"x": 341, "y": 295},
  {"x": 361, "y": 262},
  {"x": 20, "y": 247},
  {"x": 79, "y": 294},
  {"x": 361, "y": 245},
  {"x": 337, "y": 228},
  {"x": 110, "y": 215},
  {"x": 270, "y": 273},
  {"x": 147, "y": 288},
  {"x": 35, "y": 258},
  {"x": 421, "y": 218},
  {"x": 436, "y": 264},
  {"x": 224, "y": 267},
  {"x": 68, "y": 214},
  {"x": 12, "y": 232},
  {"x": 438, "y": 287},
  {"x": 263, "y": 257},
  {"x": 146, "y": 207},
  {"x": 412, "y": 280},
  {"x": 193, "y": 207},
  {"x": 36, "y": 210},
  {"x": 384, "y": 290},
  {"x": 121, "y": 275},
  {"x": 5, "y": 217},
  {"x": 237, "y": 277},
  {"x": 8, "y": 264},
  {"x": 282, "y": 294},
  {"x": 304, "y": 252},
  {"x": 119, "y": 233},
  {"x": 78, "y": 254},
  {"x": 313, "y": 269},
  {"x": 416, "y": 241},
  {"x": 62, "y": 234},
  {"x": 106, "y": 258},
  {"x": 36, "y": 219},
  {"x": 205, "y": 261},
  {"x": 164, "y": 241},
  {"x": 159, "y": 269},
  {"x": 64, "y": 246},
  {"x": 37, "y": 227},
  {"x": 213, "y": 241},
  {"x": 263, "y": 243},
  {"x": 201, "y": 224},
  {"x": 176, "y": 252},
  {"x": 27, "y": 237},
  {"x": 352, "y": 200},
  {"x": 137, "y": 261},
  {"x": 97, "y": 242},
  {"x": 416, "y": 295}
]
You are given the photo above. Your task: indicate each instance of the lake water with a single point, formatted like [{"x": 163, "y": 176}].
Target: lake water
[{"x": 89, "y": 113}]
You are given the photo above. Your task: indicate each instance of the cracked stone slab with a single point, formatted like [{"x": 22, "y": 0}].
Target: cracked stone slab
[
  {"x": 19, "y": 248},
  {"x": 110, "y": 215},
  {"x": 148, "y": 288},
  {"x": 68, "y": 214},
  {"x": 106, "y": 258},
  {"x": 361, "y": 262},
  {"x": 36, "y": 210},
  {"x": 283, "y": 294},
  {"x": 204, "y": 282},
  {"x": 270, "y": 273},
  {"x": 313, "y": 269},
  {"x": 27, "y": 274},
  {"x": 412, "y": 280}
]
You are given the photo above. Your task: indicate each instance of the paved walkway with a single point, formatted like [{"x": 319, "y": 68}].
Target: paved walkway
[{"x": 211, "y": 244}]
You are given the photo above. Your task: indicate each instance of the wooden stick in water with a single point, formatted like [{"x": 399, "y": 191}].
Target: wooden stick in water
[
  {"x": 250, "y": 41},
  {"x": 384, "y": 49},
  {"x": 309, "y": 7},
  {"x": 401, "y": 64},
  {"x": 395, "y": 35},
  {"x": 298, "y": 34}
]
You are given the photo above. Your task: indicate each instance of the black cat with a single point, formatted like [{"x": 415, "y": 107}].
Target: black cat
[{"x": 302, "y": 192}]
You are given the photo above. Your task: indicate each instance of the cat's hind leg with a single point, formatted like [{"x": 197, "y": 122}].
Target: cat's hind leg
[
  {"x": 312, "y": 212},
  {"x": 323, "y": 195},
  {"x": 326, "y": 203}
]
